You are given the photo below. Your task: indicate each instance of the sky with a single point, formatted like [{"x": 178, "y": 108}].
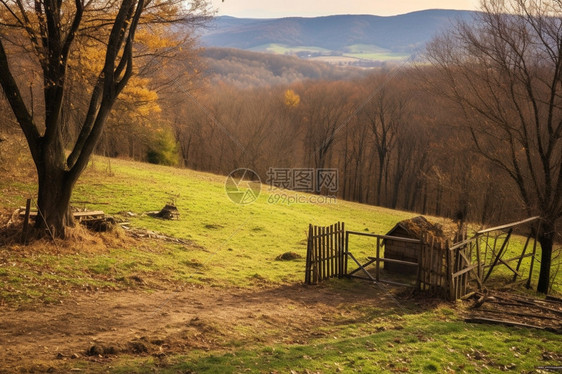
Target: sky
[{"x": 312, "y": 8}]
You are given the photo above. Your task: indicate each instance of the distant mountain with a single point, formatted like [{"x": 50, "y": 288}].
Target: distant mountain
[{"x": 360, "y": 37}]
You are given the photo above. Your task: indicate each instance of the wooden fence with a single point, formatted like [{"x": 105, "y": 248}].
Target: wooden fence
[
  {"x": 378, "y": 259},
  {"x": 494, "y": 242},
  {"x": 433, "y": 267},
  {"x": 461, "y": 268},
  {"x": 325, "y": 255},
  {"x": 441, "y": 268}
]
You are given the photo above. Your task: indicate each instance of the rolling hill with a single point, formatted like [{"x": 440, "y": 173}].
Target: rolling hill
[{"x": 363, "y": 37}]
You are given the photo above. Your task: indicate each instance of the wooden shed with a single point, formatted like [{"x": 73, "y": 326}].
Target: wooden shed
[{"x": 414, "y": 228}]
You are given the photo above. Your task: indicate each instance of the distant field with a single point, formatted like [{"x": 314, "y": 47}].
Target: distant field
[
  {"x": 374, "y": 53},
  {"x": 349, "y": 54},
  {"x": 284, "y": 49},
  {"x": 335, "y": 59},
  {"x": 365, "y": 48},
  {"x": 378, "y": 56}
]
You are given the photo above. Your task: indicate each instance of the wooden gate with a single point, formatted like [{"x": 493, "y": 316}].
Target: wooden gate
[
  {"x": 475, "y": 259},
  {"x": 325, "y": 254},
  {"x": 433, "y": 267},
  {"x": 462, "y": 267},
  {"x": 442, "y": 268}
]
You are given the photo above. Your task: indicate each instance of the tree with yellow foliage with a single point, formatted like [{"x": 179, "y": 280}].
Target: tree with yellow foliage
[
  {"x": 292, "y": 99},
  {"x": 54, "y": 31}
]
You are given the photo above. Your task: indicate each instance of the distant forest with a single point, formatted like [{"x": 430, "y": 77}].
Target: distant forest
[
  {"x": 245, "y": 69},
  {"x": 394, "y": 142}
]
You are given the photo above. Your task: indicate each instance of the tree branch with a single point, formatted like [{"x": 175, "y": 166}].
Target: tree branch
[
  {"x": 18, "y": 106},
  {"x": 73, "y": 29},
  {"x": 126, "y": 23}
]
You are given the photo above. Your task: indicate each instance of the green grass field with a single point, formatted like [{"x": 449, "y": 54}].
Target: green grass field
[
  {"x": 374, "y": 53},
  {"x": 235, "y": 247},
  {"x": 237, "y": 243},
  {"x": 352, "y": 52},
  {"x": 285, "y": 49}
]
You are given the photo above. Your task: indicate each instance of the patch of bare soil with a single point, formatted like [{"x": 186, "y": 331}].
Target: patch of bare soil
[{"x": 98, "y": 327}]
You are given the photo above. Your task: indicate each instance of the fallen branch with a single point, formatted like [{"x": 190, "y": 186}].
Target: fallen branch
[
  {"x": 147, "y": 234},
  {"x": 518, "y": 314},
  {"x": 553, "y": 298},
  {"x": 506, "y": 323},
  {"x": 517, "y": 301},
  {"x": 468, "y": 295}
]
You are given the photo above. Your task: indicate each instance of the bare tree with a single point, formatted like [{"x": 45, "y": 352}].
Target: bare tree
[
  {"x": 504, "y": 72},
  {"x": 385, "y": 114},
  {"x": 324, "y": 107},
  {"x": 50, "y": 29}
]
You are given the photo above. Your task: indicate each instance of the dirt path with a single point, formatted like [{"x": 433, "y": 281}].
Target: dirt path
[{"x": 99, "y": 326}]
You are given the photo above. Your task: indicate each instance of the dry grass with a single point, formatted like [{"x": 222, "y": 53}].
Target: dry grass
[{"x": 78, "y": 239}]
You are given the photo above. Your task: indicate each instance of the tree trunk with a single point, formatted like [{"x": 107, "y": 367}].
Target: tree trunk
[
  {"x": 379, "y": 181},
  {"x": 53, "y": 201},
  {"x": 546, "y": 238}
]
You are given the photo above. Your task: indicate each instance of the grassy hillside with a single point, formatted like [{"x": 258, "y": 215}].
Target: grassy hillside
[
  {"x": 232, "y": 244},
  {"x": 250, "y": 314}
]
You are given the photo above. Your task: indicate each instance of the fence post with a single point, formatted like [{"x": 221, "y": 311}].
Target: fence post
[
  {"x": 332, "y": 251},
  {"x": 339, "y": 250},
  {"x": 315, "y": 255},
  {"x": 450, "y": 270},
  {"x": 377, "y": 276},
  {"x": 479, "y": 265},
  {"x": 308, "y": 267},
  {"x": 322, "y": 256},
  {"x": 346, "y": 251},
  {"x": 421, "y": 264}
]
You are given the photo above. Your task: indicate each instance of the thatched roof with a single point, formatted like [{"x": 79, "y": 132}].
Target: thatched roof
[{"x": 419, "y": 227}]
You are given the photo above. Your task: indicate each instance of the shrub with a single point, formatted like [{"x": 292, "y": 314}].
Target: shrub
[{"x": 163, "y": 150}]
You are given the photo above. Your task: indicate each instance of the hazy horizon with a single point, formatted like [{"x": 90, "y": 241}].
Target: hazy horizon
[
  {"x": 309, "y": 8},
  {"x": 343, "y": 14}
]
